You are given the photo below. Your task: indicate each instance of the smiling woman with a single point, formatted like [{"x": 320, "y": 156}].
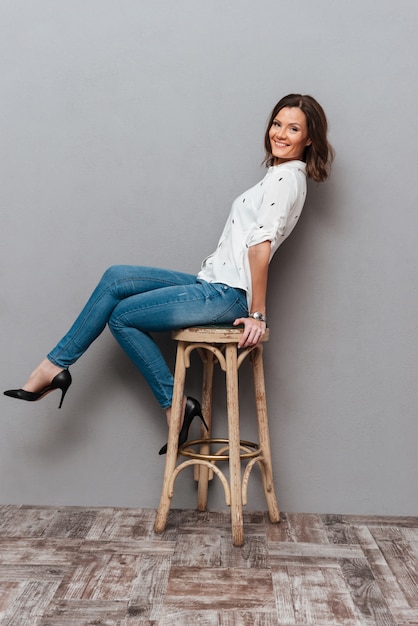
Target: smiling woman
[{"x": 136, "y": 301}]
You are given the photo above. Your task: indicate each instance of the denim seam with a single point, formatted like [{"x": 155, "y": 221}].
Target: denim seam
[
  {"x": 119, "y": 328},
  {"x": 146, "y": 361},
  {"x": 189, "y": 300}
]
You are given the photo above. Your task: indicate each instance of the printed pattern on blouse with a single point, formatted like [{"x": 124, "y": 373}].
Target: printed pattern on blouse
[{"x": 269, "y": 211}]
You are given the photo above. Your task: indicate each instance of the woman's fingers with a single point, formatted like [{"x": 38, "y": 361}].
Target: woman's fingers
[{"x": 254, "y": 331}]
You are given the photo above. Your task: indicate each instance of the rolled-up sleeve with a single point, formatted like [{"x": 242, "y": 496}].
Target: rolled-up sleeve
[{"x": 273, "y": 214}]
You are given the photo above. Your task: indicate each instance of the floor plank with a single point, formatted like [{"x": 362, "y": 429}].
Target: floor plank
[{"x": 75, "y": 566}]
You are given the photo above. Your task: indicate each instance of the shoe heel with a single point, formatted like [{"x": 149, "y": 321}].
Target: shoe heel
[
  {"x": 62, "y": 381},
  {"x": 192, "y": 410},
  {"x": 203, "y": 421},
  {"x": 63, "y": 392}
]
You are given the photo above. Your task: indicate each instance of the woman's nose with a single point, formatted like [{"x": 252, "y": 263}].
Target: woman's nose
[{"x": 280, "y": 133}]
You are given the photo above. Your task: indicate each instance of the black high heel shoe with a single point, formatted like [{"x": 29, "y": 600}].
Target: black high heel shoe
[
  {"x": 61, "y": 381},
  {"x": 192, "y": 409}
]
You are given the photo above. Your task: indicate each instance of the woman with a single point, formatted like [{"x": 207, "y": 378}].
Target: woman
[{"x": 231, "y": 285}]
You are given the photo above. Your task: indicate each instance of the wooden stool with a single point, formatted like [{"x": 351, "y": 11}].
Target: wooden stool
[{"x": 219, "y": 344}]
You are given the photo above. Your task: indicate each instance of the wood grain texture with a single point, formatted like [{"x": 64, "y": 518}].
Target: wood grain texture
[{"x": 74, "y": 566}]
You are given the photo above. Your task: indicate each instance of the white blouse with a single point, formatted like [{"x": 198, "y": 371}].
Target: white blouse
[{"x": 268, "y": 211}]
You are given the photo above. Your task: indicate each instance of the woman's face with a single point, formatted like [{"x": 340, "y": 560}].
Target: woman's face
[{"x": 289, "y": 135}]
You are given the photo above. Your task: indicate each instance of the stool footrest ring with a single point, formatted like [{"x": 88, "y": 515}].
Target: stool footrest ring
[{"x": 249, "y": 449}]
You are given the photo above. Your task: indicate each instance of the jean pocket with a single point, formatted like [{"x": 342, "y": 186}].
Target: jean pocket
[{"x": 233, "y": 304}]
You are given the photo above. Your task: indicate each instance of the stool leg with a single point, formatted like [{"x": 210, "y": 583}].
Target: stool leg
[
  {"x": 234, "y": 444},
  {"x": 173, "y": 437},
  {"x": 263, "y": 434},
  {"x": 203, "y": 472}
]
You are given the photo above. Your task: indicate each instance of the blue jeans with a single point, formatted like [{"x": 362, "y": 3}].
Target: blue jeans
[{"x": 136, "y": 301}]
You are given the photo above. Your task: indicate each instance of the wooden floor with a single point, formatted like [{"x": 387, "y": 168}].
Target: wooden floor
[{"x": 106, "y": 567}]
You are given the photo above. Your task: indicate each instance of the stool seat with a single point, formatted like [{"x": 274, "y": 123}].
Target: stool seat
[
  {"x": 219, "y": 344},
  {"x": 212, "y": 334}
]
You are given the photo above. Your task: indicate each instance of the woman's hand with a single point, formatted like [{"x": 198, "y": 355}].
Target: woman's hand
[{"x": 254, "y": 331}]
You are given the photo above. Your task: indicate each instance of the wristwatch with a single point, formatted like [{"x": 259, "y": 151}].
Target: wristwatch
[{"x": 257, "y": 315}]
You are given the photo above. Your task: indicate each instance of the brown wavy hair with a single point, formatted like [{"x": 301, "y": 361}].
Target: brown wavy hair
[{"x": 319, "y": 155}]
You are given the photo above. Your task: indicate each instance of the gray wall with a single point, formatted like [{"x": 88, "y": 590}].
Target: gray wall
[{"x": 127, "y": 129}]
